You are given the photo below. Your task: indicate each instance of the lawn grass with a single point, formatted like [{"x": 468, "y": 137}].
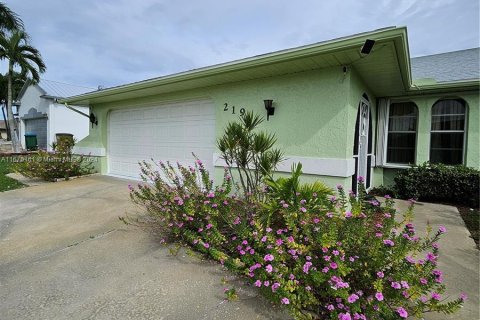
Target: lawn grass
[
  {"x": 7, "y": 183},
  {"x": 471, "y": 217}
]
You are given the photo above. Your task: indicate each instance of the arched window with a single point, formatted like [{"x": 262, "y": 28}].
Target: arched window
[
  {"x": 402, "y": 133},
  {"x": 448, "y": 131}
]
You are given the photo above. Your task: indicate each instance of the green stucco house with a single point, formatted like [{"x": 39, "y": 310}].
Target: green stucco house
[{"x": 348, "y": 107}]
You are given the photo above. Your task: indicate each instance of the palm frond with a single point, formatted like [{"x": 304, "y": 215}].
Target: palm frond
[{"x": 9, "y": 20}]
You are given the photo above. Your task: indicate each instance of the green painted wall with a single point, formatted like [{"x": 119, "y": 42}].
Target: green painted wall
[
  {"x": 315, "y": 116},
  {"x": 472, "y": 145},
  {"x": 425, "y": 103},
  {"x": 311, "y": 118}
]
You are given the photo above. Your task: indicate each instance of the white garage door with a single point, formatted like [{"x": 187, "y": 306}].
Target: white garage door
[{"x": 167, "y": 132}]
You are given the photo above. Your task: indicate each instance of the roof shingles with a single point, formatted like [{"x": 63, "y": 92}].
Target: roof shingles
[{"x": 448, "y": 67}]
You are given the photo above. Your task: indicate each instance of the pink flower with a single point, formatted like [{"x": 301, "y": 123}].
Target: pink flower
[
  {"x": 404, "y": 284},
  {"x": 268, "y": 257},
  {"x": 303, "y": 209},
  {"x": 431, "y": 257},
  {"x": 258, "y": 283},
  {"x": 306, "y": 266},
  {"x": 402, "y": 312},
  {"x": 206, "y": 245},
  {"x": 352, "y": 298},
  {"x": 442, "y": 229},
  {"x": 380, "y": 274},
  {"x": 396, "y": 285},
  {"x": 325, "y": 270},
  {"x": 290, "y": 239},
  {"x": 410, "y": 259},
  {"x": 329, "y": 214},
  {"x": 285, "y": 301},
  {"x": 436, "y": 296},
  {"x": 379, "y": 296},
  {"x": 348, "y": 214},
  {"x": 266, "y": 283},
  {"x": 269, "y": 268},
  {"x": 330, "y": 307},
  {"x": 388, "y": 242},
  {"x": 423, "y": 281},
  {"x": 208, "y": 226},
  {"x": 211, "y": 195},
  {"x": 264, "y": 238},
  {"x": 344, "y": 316},
  {"x": 275, "y": 286},
  {"x": 316, "y": 220},
  {"x": 463, "y": 296},
  {"x": 333, "y": 265},
  {"x": 279, "y": 242}
]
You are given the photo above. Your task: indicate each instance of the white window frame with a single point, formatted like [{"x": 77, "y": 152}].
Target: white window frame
[
  {"x": 465, "y": 126},
  {"x": 386, "y": 164}
]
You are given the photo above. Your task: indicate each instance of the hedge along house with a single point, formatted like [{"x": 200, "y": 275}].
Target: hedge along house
[{"x": 344, "y": 108}]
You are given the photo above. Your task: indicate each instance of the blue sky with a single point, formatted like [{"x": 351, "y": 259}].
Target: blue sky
[{"x": 112, "y": 42}]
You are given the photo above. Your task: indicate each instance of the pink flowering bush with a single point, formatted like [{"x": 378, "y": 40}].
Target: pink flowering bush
[
  {"x": 322, "y": 254},
  {"x": 61, "y": 163}
]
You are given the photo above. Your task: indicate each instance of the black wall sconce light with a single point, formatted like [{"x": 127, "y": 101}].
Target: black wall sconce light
[
  {"x": 269, "y": 107},
  {"x": 367, "y": 46},
  {"x": 93, "y": 119}
]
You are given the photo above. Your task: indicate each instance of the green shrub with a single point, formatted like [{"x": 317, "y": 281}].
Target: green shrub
[
  {"x": 438, "y": 182},
  {"x": 321, "y": 255},
  {"x": 60, "y": 163}
]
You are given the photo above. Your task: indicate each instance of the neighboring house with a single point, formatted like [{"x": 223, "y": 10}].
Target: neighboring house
[
  {"x": 41, "y": 114},
  {"x": 340, "y": 112},
  {"x": 3, "y": 130}
]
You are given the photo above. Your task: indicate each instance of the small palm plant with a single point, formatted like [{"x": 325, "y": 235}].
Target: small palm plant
[
  {"x": 251, "y": 152},
  {"x": 15, "y": 48}
]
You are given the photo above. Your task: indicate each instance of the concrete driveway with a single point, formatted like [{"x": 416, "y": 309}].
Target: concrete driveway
[{"x": 65, "y": 255}]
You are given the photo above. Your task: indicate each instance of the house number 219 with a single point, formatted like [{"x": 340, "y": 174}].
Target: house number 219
[{"x": 226, "y": 108}]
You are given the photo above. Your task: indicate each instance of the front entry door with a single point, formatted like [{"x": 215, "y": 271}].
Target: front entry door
[{"x": 362, "y": 152}]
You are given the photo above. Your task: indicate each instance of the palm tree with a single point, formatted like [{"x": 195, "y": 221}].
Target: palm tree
[
  {"x": 15, "y": 48},
  {"x": 9, "y": 20}
]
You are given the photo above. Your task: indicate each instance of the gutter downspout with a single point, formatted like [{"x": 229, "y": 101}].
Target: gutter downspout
[{"x": 77, "y": 111}]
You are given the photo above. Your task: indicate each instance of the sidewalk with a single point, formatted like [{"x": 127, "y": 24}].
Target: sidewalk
[{"x": 459, "y": 257}]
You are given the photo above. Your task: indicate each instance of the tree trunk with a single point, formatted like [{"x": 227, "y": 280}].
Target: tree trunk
[{"x": 11, "y": 121}]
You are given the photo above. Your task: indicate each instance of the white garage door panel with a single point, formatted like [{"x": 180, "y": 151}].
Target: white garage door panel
[{"x": 168, "y": 133}]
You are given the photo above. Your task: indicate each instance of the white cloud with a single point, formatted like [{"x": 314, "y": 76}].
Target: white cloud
[{"x": 111, "y": 42}]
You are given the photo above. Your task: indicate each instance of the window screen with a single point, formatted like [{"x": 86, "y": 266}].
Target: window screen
[
  {"x": 447, "y": 132},
  {"x": 402, "y": 133}
]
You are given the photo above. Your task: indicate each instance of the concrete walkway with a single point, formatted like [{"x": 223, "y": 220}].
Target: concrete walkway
[
  {"x": 459, "y": 257},
  {"x": 65, "y": 255}
]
